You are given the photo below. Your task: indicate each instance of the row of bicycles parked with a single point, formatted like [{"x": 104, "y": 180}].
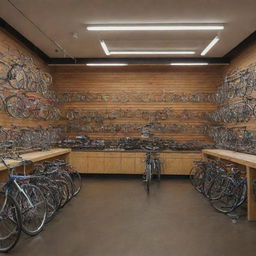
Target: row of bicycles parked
[
  {"x": 29, "y": 201},
  {"x": 224, "y": 185}
]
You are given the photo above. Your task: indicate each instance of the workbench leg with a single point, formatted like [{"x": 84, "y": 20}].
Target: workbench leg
[
  {"x": 251, "y": 202},
  {"x": 204, "y": 157}
]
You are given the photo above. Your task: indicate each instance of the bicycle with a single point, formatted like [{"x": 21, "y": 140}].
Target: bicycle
[
  {"x": 29, "y": 198},
  {"x": 10, "y": 222},
  {"x": 152, "y": 167}
]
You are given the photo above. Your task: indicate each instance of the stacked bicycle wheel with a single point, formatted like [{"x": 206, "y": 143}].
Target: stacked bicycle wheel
[{"x": 224, "y": 186}]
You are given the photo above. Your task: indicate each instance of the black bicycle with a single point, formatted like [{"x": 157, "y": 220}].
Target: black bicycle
[{"x": 152, "y": 167}]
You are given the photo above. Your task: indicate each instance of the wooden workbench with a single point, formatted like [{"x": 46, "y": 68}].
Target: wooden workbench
[
  {"x": 247, "y": 160},
  {"x": 38, "y": 156}
]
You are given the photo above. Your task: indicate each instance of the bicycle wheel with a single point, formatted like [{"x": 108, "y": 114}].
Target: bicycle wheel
[
  {"x": 69, "y": 182},
  {"x": 197, "y": 176},
  {"x": 33, "y": 209},
  {"x": 4, "y": 68},
  {"x": 216, "y": 188},
  {"x": 15, "y": 106},
  {"x": 241, "y": 193},
  {"x": 51, "y": 204},
  {"x": 31, "y": 82},
  {"x": 227, "y": 199},
  {"x": 148, "y": 176},
  {"x": 10, "y": 223},
  {"x": 159, "y": 169},
  {"x": 17, "y": 77},
  {"x": 64, "y": 193},
  {"x": 77, "y": 180}
]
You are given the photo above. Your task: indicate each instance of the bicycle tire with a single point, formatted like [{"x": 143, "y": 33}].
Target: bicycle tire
[
  {"x": 16, "y": 76},
  {"x": 77, "y": 180},
  {"x": 227, "y": 201},
  {"x": 9, "y": 209},
  {"x": 15, "y": 106},
  {"x": 36, "y": 197}
]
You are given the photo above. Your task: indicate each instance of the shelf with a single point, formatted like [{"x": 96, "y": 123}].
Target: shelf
[
  {"x": 37, "y": 156},
  {"x": 240, "y": 158}
]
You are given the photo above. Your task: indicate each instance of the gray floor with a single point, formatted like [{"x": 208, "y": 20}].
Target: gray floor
[{"x": 114, "y": 216}]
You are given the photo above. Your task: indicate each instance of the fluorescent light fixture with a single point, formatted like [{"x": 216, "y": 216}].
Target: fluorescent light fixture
[
  {"x": 189, "y": 64},
  {"x": 150, "y": 52},
  {"x": 106, "y": 64},
  {"x": 107, "y": 52},
  {"x": 153, "y": 27},
  {"x": 210, "y": 45},
  {"x": 104, "y": 47}
]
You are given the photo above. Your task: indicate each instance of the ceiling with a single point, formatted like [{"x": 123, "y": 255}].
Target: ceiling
[{"x": 59, "y": 19}]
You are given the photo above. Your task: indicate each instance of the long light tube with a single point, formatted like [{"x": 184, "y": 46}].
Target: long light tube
[
  {"x": 210, "y": 45},
  {"x": 108, "y": 52},
  {"x": 106, "y": 64},
  {"x": 150, "y": 52},
  {"x": 104, "y": 47},
  {"x": 152, "y": 27},
  {"x": 189, "y": 64}
]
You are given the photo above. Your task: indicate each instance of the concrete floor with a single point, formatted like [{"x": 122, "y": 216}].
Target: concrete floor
[{"x": 114, "y": 217}]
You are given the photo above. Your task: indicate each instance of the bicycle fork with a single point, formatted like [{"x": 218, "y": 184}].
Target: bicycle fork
[{"x": 23, "y": 192}]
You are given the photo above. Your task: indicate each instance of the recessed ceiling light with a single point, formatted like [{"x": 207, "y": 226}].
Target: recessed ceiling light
[
  {"x": 150, "y": 52},
  {"x": 210, "y": 45},
  {"x": 154, "y": 27},
  {"x": 189, "y": 64},
  {"x": 106, "y": 64}
]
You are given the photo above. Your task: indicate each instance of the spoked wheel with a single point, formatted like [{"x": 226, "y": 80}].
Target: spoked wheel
[
  {"x": 197, "y": 176},
  {"x": 4, "y": 68},
  {"x": 77, "y": 181},
  {"x": 10, "y": 223},
  {"x": 158, "y": 169},
  {"x": 226, "y": 200},
  {"x": 241, "y": 193},
  {"x": 17, "y": 77},
  {"x": 33, "y": 209},
  {"x": 31, "y": 82},
  {"x": 51, "y": 204},
  {"x": 148, "y": 176},
  {"x": 64, "y": 192},
  {"x": 65, "y": 176},
  {"x": 15, "y": 106}
]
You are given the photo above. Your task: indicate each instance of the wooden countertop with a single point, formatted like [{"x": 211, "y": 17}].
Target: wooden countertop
[
  {"x": 240, "y": 158},
  {"x": 37, "y": 156}
]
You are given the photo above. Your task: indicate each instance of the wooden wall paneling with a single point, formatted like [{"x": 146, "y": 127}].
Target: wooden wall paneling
[
  {"x": 179, "y": 163},
  {"x": 79, "y": 160},
  {"x": 140, "y": 163},
  {"x": 112, "y": 163},
  {"x": 139, "y": 79},
  {"x": 128, "y": 163},
  {"x": 96, "y": 162}
]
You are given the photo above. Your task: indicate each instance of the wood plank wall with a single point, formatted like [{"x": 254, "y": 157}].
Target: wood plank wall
[
  {"x": 143, "y": 79},
  {"x": 8, "y": 46}
]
